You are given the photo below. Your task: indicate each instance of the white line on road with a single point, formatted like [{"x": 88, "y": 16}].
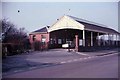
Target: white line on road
[
  {"x": 62, "y": 62},
  {"x": 80, "y": 59},
  {"x": 32, "y": 67},
  {"x": 18, "y": 70},
  {"x": 90, "y": 57},
  {"x": 82, "y": 54},
  {"x": 75, "y": 59},
  {"x": 70, "y": 61},
  {"x": 85, "y": 58}
]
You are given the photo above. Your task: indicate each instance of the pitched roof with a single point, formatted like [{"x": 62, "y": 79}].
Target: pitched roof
[
  {"x": 89, "y": 25},
  {"x": 42, "y": 30}
]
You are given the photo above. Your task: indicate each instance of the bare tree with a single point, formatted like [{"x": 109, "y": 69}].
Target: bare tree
[
  {"x": 10, "y": 31},
  {"x": 11, "y": 34}
]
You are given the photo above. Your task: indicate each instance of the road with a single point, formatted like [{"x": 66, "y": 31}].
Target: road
[
  {"x": 37, "y": 59},
  {"x": 98, "y": 67}
]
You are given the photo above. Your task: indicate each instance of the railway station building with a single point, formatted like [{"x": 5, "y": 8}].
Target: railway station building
[{"x": 75, "y": 33}]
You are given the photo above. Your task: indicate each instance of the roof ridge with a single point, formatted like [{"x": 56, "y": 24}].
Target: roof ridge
[
  {"x": 93, "y": 23},
  {"x": 43, "y": 29},
  {"x": 90, "y": 22}
]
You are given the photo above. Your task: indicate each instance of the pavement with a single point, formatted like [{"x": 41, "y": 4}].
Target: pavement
[
  {"x": 97, "y": 67},
  {"x": 38, "y": 59},
  {"x": 101, "y": 52}
]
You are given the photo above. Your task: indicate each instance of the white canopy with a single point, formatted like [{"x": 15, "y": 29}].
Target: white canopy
[{"x": 66, "y": 23}]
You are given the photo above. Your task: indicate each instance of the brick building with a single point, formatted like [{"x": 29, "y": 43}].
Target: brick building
[{"x": 76, "y": 32}]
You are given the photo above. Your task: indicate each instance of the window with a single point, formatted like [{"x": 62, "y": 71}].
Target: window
[
  {"x": 43, "y": 38},
  {"x": 59, "y": 41},
  {"x": 80, "y": 42},
  {"x": 34, "y": 37}
]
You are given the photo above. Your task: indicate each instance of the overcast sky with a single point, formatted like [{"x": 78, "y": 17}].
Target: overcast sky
[{"x": 35, "y": 15}]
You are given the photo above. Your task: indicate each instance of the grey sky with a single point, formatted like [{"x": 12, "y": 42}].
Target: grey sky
[{"x": 35, "y": 15}]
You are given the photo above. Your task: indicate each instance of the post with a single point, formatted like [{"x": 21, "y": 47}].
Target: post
[
  {"x": 91, "y": 38},
  {"x": 103, "y": 40},
  {"x": 116, "y": 40},
  {"x": 112, "y": 40},
  {"x": 84, "y": 38},
  {"x": 48, "y": 41},
  {"x": 98, "y": 39},
  {"x": 76, "y": 43},
  {"x": 109, "y": 39}
]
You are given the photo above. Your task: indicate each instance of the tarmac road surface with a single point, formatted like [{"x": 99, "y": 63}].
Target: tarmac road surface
[{"x": 98, "y": 67}]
